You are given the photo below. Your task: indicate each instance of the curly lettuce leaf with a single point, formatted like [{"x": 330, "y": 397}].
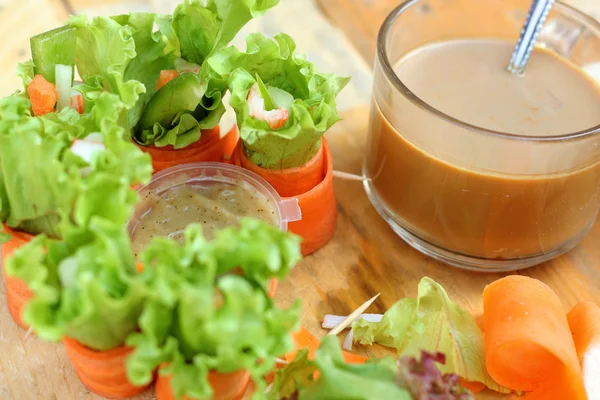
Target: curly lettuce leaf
[
  {"x": 85, "y": 287},
  {"x": 274, "y": 64},
  {"x": 40, "y": 179},
  {"x": 155, "y": 50},
  {"x": 433, "y": 323},
  {"x": 237, "y": 324},
  {"x": 26, "y": 71},
  {"x": 204, "y": 29},
  {"x": 199, "y": 28},
  {"x": 104, "y": 50}
]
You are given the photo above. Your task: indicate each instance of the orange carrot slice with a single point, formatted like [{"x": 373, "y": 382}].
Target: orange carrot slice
[
  {"x": 528, "y": 343},
  {"x": 102, "y": 372},
  {"x": 225, "y": 386},
  {"x": 17, "y": 293},
  {"x": 42, "y": 95},
  {"x": 166, "y": 76},
  {"x": 317, "y": 201},
  {"x": 584, "y": 320}
]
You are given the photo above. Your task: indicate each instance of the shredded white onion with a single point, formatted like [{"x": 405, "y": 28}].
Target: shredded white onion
[
  {"x": 348, "y": 340},
  {"x": 331, "y": 321},
  {"x": 64, "y": 79}
]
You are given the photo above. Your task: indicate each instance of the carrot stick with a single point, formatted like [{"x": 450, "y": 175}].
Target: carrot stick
[
  {"x": 17, "y": 293},
  {"x": 225, "y": 386},
  {"x": 210, "y": 147},
  {"x": 584, "y": 321},
  {"x": 166, "y": 76},
  {"x": 318, "y": 205},
  {"x": 102, "y": 372},
  {"x": 527, "y": 340},
  {"x": 42, "y": 95}
]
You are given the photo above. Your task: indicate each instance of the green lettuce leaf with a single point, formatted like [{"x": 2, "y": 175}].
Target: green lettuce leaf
[
  {"x": 376, "y": 379},
  {"x": 432, "y": 323},
  {"x": 41, "y": 180},
  {"x": 198, "y": 28},
  {"x": 104, "y": 50},
  {"x": 201, "y": 316},
  {"x": 204, "y": 29},
  {"x": 155, "y": 51},
  {"x": 178, "y": 112},
  {"x": 86, "y": 286},
  {"x": 285, "y": 75},
  {"x": 26, "y": 71}
]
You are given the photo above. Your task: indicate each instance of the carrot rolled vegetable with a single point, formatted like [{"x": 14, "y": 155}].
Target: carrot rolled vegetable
[
  {"x": 528, "y": 343},
  {"x": 102, "y": 372},
  {"x": 17, "y": 293},
  {"x": 584, "y": 321},
  {"x": 88, "y": 293},
  {"x": 213, "y": 350},
  {"x": 283, "y": 108},
  {"x": 181, "y": 99}
]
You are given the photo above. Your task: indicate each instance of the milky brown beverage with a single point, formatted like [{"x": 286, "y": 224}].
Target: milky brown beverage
[{"x": 460, "y": 195}]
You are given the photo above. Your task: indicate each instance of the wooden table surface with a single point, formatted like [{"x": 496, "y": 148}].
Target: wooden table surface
[{"x": 364, "y": 258}]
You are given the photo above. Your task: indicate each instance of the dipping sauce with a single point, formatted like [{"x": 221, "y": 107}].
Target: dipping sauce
[
  {"x": 463, "y": 198},
  {"x": 213, "y": 204}
]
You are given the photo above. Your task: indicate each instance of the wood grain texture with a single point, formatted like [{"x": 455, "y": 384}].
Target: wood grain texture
[{"x": 360, "y": 19}]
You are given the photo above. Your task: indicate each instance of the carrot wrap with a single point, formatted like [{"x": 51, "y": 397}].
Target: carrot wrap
[
  {"x": 102, "y": 372},
  {"x": 211, "y": 147},
  {"x": 528, "y": 343},
  {"x": 17, "y": 293},
  {"x": 317, "y": 201},
  {"x": 225, "y": 386}
]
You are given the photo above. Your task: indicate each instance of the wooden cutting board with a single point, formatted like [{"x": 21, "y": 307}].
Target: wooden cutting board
[{"x": 364, "y": 258}]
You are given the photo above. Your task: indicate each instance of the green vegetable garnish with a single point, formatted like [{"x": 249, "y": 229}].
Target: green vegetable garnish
[
  {"x": 285, "y": 80},
  {"x": 209, "y": 308},
  {"x": 432, "y": 323},
  {"x": 51, "y": 48}
]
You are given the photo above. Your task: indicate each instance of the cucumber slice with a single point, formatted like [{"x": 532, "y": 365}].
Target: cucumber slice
[{"x": 51, "y": 48}]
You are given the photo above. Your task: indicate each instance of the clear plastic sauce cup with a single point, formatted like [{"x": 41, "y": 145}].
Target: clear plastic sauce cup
[{"x": 214, "y": 195}]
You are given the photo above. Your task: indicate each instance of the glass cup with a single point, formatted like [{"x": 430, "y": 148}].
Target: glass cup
[{"x": 471, "y": 197}]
